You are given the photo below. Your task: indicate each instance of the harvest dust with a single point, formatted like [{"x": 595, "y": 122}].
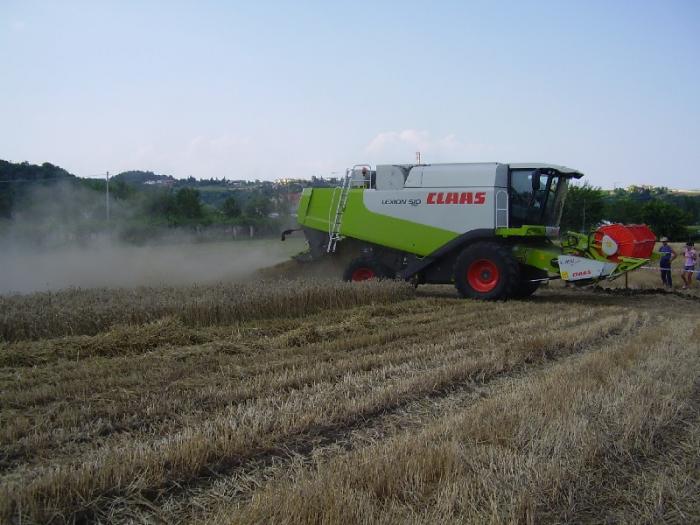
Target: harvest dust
[{"x": 103, "y": 263}]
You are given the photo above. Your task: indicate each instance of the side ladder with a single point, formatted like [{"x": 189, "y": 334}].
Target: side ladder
[{"x": 334, "y": 229}]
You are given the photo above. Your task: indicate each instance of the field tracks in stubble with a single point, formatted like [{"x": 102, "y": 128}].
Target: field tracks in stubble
[
  {"x": 544, "y": 448},
  {"x": 362, "y": 393}
]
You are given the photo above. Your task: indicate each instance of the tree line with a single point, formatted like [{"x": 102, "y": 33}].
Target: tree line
[
  {"x": 667, "y": 213},
  {"x": 39, "y": 200},
  {"x": 144, "y": 202}
]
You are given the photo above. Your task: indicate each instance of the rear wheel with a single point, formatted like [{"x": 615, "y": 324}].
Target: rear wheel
[
  {"x": 364, "y": 269},
  {"x": 486, "y": 270},
  {"x": 530, "y": 280}
]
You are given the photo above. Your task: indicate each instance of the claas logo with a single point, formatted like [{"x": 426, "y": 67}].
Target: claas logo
[{"x": 454, "y": 197}]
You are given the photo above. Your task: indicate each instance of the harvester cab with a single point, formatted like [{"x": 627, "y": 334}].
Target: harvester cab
[{"x": 492, "y": 229}]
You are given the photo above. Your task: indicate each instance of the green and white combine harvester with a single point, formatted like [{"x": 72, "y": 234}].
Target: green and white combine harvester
[{"x": 491, "y": 229}]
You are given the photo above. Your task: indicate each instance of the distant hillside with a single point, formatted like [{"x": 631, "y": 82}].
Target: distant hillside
[
  {"x": 17, "y": 180},
  {"x": 143, "y": 177},
  {"x": 23, "y": 171},
  {"x": 47, "y": 204}
]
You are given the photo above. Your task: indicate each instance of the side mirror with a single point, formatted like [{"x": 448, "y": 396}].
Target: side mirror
[{"x": 536, "y": 181}]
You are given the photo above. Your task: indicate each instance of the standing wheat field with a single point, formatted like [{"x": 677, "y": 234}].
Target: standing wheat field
[{"x": 327, "y": 402}]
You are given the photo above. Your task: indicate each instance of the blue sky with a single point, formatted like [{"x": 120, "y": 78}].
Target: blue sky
[{"x": 274, "y": 89}]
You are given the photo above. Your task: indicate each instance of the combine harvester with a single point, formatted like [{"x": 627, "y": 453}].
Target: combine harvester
[{"x": 491, "y": 229}]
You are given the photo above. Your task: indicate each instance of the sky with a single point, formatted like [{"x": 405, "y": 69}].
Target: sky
[{"x": 266, "y": 90}]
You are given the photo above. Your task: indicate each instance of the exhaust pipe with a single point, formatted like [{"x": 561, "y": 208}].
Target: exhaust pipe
[{"x": 289, "y": 232}]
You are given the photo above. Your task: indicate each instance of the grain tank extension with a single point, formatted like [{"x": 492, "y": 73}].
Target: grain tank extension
[{"x": 492, "y": 229}]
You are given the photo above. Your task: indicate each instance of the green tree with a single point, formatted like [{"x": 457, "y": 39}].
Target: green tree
[
  {"x": 6, "y": 200},
  {"x": 161, "y": 205},
  {"x": 687, "y": 203},
  {"x": 665, "y": 219},
  {"x": 257, "y": 206},
  {"x": 121, "y": 190},
  {"x": 625, "y": 208},
  {"x": 188, "y": 204},
  {"x": 231, "y": 208},
  {"x": 584, "y": 208}
]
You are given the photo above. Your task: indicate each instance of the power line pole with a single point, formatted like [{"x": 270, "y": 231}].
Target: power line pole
[{"x": 107, "y": 195}]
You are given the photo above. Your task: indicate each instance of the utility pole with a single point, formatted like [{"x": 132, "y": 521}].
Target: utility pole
[{"x": 107, "y": 196}]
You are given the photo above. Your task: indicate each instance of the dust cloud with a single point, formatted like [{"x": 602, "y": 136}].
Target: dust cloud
[
  {"x": 105, "y": 263},
  {"x": 53, "y": 242}
]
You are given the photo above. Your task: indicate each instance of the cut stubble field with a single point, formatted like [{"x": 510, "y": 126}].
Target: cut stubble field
[{"x": 328, "y": 402}]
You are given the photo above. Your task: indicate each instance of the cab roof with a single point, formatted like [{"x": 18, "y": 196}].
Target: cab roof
[
  {"x": 567, "y": 172},
  {"x": 536, "y": 165}
]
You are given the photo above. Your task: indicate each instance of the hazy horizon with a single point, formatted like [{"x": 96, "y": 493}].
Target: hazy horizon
[{"x": 341, "y": 174}]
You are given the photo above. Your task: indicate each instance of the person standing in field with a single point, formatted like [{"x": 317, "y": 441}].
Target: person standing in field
[
  {"x": 668, "y": 254},
  {"x": 691, "y": 257}
]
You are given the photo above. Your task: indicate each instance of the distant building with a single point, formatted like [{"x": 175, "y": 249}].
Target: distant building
[
  {"x": 160, "y": 182},
  {"x": 286, "y": 180}
]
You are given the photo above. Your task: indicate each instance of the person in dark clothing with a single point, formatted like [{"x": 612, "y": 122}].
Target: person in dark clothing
[{"x": 667, "y": 256}]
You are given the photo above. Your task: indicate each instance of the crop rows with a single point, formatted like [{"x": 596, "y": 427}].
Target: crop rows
[
  {"x": 406, "y": 408},
  {"x": 91, "y": 311}
]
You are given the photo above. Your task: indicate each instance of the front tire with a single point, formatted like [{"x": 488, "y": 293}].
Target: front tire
[
  {"x": 487, "y": 271},
  {"x": 364, "y": 269}
]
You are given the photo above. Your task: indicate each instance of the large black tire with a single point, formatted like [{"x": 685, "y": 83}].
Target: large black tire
[
  {"x": 365, "y": 268},
  {"x": 526, "y": 287},
  {"x": 487, "y": 271}
]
